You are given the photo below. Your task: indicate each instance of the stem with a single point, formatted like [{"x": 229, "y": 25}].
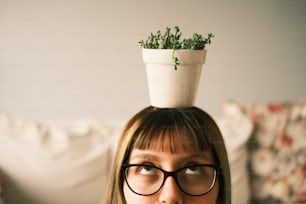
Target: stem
[{"x": 175, "y": 60}]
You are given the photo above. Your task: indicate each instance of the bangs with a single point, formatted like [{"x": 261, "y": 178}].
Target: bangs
[{"x": 173, "y": 131}]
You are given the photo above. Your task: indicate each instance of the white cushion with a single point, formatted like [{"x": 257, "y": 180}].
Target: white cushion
[
  {"x": 55, "y": 163},
  {"x": 236, "y": 130}
]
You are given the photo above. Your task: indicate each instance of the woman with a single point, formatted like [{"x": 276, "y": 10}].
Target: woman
[{"x": 174, "y": 156}]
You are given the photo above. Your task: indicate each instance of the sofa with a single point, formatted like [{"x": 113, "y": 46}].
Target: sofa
[{"x": 68, "y": 162}]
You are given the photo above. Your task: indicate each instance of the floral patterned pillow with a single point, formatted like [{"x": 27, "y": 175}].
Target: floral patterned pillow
[{"x": 277, "y": 150}]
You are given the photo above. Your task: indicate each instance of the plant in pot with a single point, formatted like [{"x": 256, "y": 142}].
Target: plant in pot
[{"x": 174, "y": 67}]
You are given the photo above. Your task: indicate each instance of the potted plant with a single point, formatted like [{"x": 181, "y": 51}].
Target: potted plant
[{"x": 174, "y": 67}]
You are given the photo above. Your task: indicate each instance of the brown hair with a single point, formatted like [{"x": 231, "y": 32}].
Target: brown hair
[{"x": 187, "y": 127}]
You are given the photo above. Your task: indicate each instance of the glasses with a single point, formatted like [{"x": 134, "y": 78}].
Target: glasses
[{"x": 194, "y": 180}]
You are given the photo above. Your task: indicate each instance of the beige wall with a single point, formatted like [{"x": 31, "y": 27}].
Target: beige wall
[{"x": 79, "y": 58}]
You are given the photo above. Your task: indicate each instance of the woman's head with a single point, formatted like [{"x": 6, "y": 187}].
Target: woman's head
[{"x": 183, "y": 141}]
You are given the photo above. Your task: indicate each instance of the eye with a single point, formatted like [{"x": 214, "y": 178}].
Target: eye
[
  {"x": 193, "y": 170},
  {"x": 146, "y": 170}
]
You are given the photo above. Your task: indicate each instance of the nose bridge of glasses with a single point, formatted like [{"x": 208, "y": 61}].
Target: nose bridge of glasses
[
  {"x": 172, "y": 174},
  {"x": 169, "y": 173}
]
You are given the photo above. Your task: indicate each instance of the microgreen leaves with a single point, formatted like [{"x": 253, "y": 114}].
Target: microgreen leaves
[{"x": 172, "y": 40}]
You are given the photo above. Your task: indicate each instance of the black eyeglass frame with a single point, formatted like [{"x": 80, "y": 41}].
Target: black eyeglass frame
[{"x": 173, "y": 174}]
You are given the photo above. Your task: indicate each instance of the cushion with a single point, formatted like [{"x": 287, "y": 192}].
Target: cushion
[
  {"x": 236, "y": 130},
  {"x": 55, "y": 162},
  {"x": 277, "y": 150}
]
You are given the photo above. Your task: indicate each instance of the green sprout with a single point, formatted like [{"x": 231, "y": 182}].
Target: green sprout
[{"x": 172, "y": 40}]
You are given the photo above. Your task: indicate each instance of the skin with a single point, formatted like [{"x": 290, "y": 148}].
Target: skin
[{"x": 170, "y": 192}]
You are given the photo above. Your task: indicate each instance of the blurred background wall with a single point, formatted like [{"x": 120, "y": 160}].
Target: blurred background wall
[{"x": 81, "y": 58}]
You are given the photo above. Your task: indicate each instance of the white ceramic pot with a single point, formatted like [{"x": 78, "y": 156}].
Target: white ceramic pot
[{"x": 170, "y": 88}]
